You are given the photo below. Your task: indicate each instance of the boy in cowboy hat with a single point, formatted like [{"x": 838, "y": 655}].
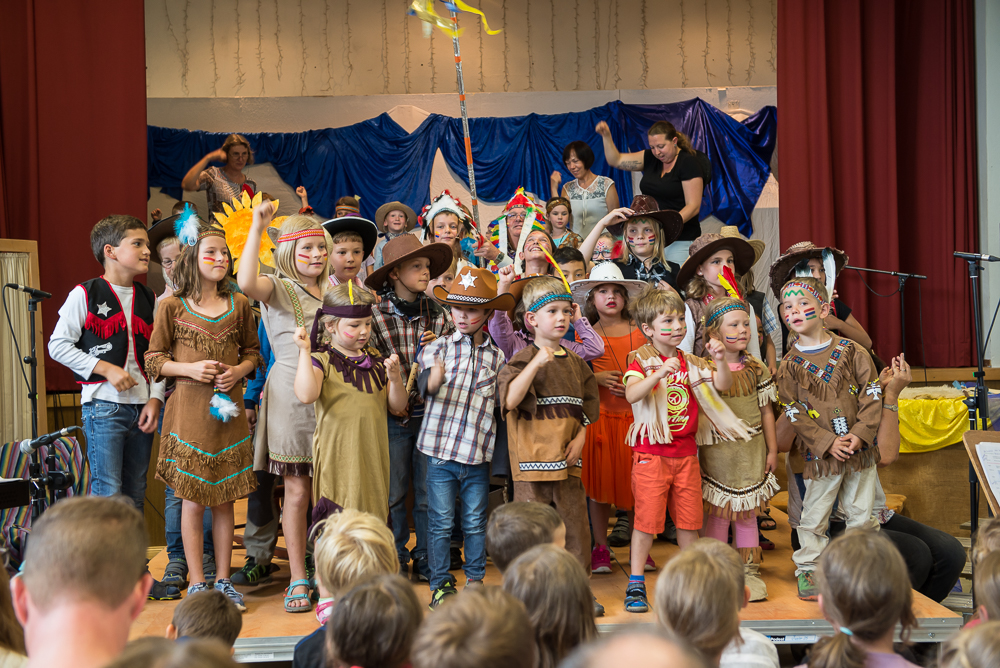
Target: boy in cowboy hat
[
  {"x": 392, "y": 219},
  {"x": 403, "y": 321},
  {"x": 458, "y": 377},
  {"x": 354, "y": 239}
]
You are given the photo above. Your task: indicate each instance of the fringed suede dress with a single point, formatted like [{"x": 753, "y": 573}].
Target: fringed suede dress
[{"x": 202, "y": 458}]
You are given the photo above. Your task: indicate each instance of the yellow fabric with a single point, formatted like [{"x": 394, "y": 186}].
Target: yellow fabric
[{"x": 926, "y": 425}]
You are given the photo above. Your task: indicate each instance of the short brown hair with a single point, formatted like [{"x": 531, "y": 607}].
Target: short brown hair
[
  {"x": 153, "y": 652},
  {"x": 812, "y": 283},
  {"x": 556, "y": 592},
  {"x": 987, "y": 540},
  {"x": 374, "y": 624},
  {"x": 237, "y": 140},
  {"x": 210, "y": 615},
  {"x": 517, "y": 527},
  {"x": 352, "y": 546},
  {"x": 483, "y": 627},
  {"x": 104, "y": 539},
  {"x": 976, "y": 647},
  {"x": 110, "y": 231},
  {"x": 180, "y": 205},
  {"x": 543, "y": 285},
  {"x": 347, "y": 237},
  {"x": 652, "y": 303}
]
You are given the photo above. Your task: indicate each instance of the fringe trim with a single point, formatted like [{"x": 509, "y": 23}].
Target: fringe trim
[
  {"x": 751, "y": 555},
  {"x": 297, "y": 470},
  {"x": 767, "y": 392},
  {"x": 154, "y": 363},
  {"x": 216, "y": 347},
  {"x": 817, "y": 386},
  {"x": 730, "y": 502},
  {"x": 141, "y": 328},
  {"x": 859, "y": 461},
  {"x": 369, "y": 381},
  {"x": 105, "y": 329},
  {"x": 744, "y": 382},
  {"x": 553, "y": 412},
  {"x": 236, "y": 456},
  {"x": 187, "y": 487}
]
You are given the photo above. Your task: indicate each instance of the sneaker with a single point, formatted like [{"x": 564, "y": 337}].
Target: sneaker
[
  {"x": 469, "y": 582},
  {"x": 176, "y": 573},
  {"x": 755, "y": 583},
  {"x": 404, "y": 568},
  {"x": 598, "y": 608},
  {"x": 621, "y": 535},
  {"x": 808, "y": 591},
  {"x": 163, "y": 592},
  {"x": 442, "y": 593},
  {"x": 197, "y": 587},
  {"x": 421, "y": 570},
  {"x": 310, "y": 566},
  {"x": 208, "y": 567},
  {"x": 456, "y": 559},
  {"x": 650, "y": 564},
  {"x": 635, "y": 597},
  {"x": 225, "y": 585},
  {"x": 253, "y": 574},
  {"x": 600, "y": 559}
]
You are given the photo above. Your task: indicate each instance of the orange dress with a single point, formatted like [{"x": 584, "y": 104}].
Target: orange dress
[{"x": 607, "y": 459}]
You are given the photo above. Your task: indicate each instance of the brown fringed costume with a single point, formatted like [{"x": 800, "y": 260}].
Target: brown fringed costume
[
  {"x": 202, "y": 458},
  {"x": 351, "y": 445}
]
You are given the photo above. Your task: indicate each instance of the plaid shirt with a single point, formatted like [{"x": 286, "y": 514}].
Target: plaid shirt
[
  {"x": 394, "y": 333},
  {"x": 458, "y": 420},
  {"x": 769, "y": 319}
]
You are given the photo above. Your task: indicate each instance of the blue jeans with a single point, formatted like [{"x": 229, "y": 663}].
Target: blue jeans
[
  {"x": 172, "y": 519},
  {"x": 117, "y": 450},
  {"x": 407, "y": 464},
  {"x": 471, "y": 483}
]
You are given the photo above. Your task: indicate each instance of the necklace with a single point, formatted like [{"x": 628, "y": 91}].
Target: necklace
[{"x": 607, "y": 340}]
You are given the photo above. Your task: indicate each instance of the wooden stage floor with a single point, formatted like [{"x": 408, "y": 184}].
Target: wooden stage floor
[{"x": 269, "y": 633}]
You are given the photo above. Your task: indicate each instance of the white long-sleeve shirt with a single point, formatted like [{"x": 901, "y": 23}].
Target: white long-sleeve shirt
[{"x": 62, "y": 348}]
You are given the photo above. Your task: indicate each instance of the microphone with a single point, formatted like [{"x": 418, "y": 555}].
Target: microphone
[
  {"x": 29, "y": 445},
  {"x": 977, "y": 257},
  {"x": 34, "y": 293}
]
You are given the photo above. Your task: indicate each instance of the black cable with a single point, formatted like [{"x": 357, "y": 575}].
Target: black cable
[
  {"x": 13, "y": 336},
  {"x": 877, "y": 294}
]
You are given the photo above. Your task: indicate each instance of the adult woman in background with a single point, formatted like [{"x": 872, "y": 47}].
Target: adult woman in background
[
  {"x": 591, "y": 196},
  {"x": 672, "y": 173},
  {"x": 223, "y": 184}
]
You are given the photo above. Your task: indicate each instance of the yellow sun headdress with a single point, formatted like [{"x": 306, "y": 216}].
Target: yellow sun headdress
[{"x": 236, "y": 221}]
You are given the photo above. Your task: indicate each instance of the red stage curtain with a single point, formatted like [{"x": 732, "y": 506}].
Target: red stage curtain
[
  {"x": 877, "y": 148},
  {"x": 72, "y": 132}
]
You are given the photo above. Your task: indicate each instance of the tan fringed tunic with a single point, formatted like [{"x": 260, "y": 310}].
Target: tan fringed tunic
[
  {"x": 828, "y": 393},
  {"x": 734, "y": 479},
  {"x": 202, "y": 458}
]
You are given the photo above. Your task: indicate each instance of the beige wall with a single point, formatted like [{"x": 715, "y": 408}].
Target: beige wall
[{"x": 287, "y": 48}]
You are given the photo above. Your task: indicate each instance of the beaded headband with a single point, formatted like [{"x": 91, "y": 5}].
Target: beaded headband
[
  {"x": 802, "y": 286},
  {"x": 737, "y": 306},
  {"x": 550, "y": 297},
  {"x": 301, "y": 234},
  {"x": 355, "y": 311}
]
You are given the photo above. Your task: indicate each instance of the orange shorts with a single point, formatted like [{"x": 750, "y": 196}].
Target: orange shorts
[{"x": 659, "y": 483}]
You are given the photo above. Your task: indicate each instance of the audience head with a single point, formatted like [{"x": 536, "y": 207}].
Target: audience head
[
  {"x": 351, "y": 547},
  {"x": 572, "y": 263},
  {"x": 729, "y": 558},
  {"x": 515, "y": 528},
  {"x": 121, "y": 239},
  {"x": 374, "y": 624},
  {"x": 151, "y": 652},
  {"x": 208, "y": 615},
  {"x": 647, "y": 649},
  {"x": 556, "y": 592},
  {"x": 698, "y": 599},
  {"x": 987, "y": 586},
  {"x": 304, "y": 259},
  {"x": 660, "y": 315},
  {"x": 180, "y": 205},
  {"x": 978, "y": 647},
  {"x": 347, "y": 206},
  {"x": 864, "y": 592},
  {"x": 987, "y": 539},
  {"x": 484, "y": 627},
  {"x": 11, "y": 633}
]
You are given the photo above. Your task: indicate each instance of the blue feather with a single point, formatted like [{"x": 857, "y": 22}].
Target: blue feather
[
  {"x": 186, "y": 227},
  {"x": 222, "y": 407}
]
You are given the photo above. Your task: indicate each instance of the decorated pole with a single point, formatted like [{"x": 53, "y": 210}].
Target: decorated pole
[{"x": 465, "y": 125}]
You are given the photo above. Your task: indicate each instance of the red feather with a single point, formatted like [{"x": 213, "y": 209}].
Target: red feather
[
  {"x": 728, "y": 274},
  {"x": 618, "y": 250}
]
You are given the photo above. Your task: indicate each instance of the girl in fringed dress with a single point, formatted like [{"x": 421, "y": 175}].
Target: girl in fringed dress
[
  {"x": 738, "y": 476},
  {"x": 206, "y": 337}
]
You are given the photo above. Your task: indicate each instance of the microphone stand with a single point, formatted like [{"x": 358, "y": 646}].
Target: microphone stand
[
  {"x": 977, "y": 403},
  {"x": 903, "y": 277},
  {"x": 39, "y": 483}
]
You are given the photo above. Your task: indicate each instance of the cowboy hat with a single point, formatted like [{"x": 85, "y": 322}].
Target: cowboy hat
[
  {"x": 603, "y": 273},
  {"x": 361, "y": 226},
  {"x": 708, "y": 245},
  {"x": 758, "y": 245},
  {"x": 407, "y": 247},
  {"x": 163, "y": 229},
  {"x": 389, "y": 207},
  {"x": 645, "y": 206},
  {"x": 474, "y": 288},
  {"x": 784, "y": 266}
]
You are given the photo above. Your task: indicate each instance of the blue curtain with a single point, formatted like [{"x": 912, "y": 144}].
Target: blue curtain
[{"x": 381, "y": 162}]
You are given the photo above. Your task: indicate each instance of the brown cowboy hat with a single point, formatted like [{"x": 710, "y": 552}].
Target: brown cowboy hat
[
  {"x": 645, "y": 206},
  {"x": 406, "y": 247},
  {"x": 474, "y": 288},
  {"x": 706, "y": 246},
  {"x": 781, "y": 270},
  {"x": 389, "y": 207},
  {"x": 734, "y": 232}
]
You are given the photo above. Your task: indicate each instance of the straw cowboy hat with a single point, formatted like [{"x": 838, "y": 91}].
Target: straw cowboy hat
[
  {"x": 474, "y": 288},
  {"x": 406, "y": 247},
  {"x": 646, "y": 207},
  {"x": 783, "y": 268},
  {"x": 758, "y": 245},
  {"x": 708, "y": 245},
  {"x": 388, "y": 207},
  {"x": 363, "y": 227},
  {"x": 605, "y": 272}
]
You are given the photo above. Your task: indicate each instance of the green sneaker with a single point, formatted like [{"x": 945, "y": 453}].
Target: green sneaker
[
  {"x": 310, "y": 567},
  {"x": 808, "y": 591},
  {"x": 253, "y": 574},
  {"x": 442, "y": 593},
  {"x": 176, "y": 573}
]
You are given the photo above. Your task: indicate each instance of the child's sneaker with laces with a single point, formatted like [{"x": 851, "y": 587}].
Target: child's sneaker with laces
[
  {"x": 808, "y": 591},
  {"x": 253, "y": 574},
  {"x": 600, "y": 559},
  {"x": 225, "y": 585},
  {"x": 650, "y": 564},
  {"x": 442, "y": 593},
  {"x": 197, "y": 587}
]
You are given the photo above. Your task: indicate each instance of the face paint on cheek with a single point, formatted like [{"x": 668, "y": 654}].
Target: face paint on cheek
[
  {"x": 303, "y": 258},
  {"x": 349, "y": 335},
  {"x": 810, "y": 313},
  {"x": 651, "y": 239},
  {"x": 732, "y": 339},
  {"x": 208, "y": 260}
]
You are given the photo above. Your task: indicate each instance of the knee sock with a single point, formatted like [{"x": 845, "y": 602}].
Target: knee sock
[
  {"x": 745, "y": 533},
  {"x": 716, "y": 527}
]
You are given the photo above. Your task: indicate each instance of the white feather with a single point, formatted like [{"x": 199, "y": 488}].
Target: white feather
[
  {"x": 186, "y": 227},
  {"x": 830, "y": 267}
]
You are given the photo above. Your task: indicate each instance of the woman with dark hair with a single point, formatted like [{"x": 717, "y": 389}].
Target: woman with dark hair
[
  {"x": 672, "y": 172},
  {"x": 591, "y": 196},
  {"x": 223, "y": 183}
]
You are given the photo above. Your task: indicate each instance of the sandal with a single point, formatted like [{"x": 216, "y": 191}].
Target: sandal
[
  {"x": 765, "y": 543},
  {"x": 635, "y": 598},
  {"x": 290, "y": 597},
  {"x": 765, "y": 523}
]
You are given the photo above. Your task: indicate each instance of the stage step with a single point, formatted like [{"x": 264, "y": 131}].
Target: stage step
[
  {"x": 967, "y": 525},
  {"x": 966, "y": 542},
  {"x": 967, "y": 571},
  {"x": 958, "y": 602}
]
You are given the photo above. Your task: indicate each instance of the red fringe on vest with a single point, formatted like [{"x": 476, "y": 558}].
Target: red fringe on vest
[
  {"x": 105, "y": 328},
  {"x": 141, "y": 327}
]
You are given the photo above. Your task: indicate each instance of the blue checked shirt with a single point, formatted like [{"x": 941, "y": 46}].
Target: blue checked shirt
[{"x": 458, "y": 420}]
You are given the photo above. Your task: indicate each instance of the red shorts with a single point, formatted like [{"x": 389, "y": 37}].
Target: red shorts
[{"x": 659, "y": 483}]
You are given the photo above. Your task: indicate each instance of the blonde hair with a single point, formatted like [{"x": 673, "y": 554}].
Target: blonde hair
[
  {"x": 652, "y": 303},
  {"x": 698, "y": 599},
  {"x": 866, "y": 590},
  {"x": 153, "y": 652},
  {"x": 729, "y": 557},
  {"x": 340, "y": 295},
  {"x": 978, "y": 647},
  {"x": 987, "y": 540},
  {"x": 987, "y": 584},
  {"x": 351, "y": 547},
  {"x": 540, "y": 286},
  {"x": 811, "y": 282},
  {"x": 284, "y": 253},
  {"x": 483, "y": 627},
  {"x": 714, "y": 327},
  {"x": 166, "y": 241},
  {"x": 657, "y": 232},
  {"x": 555, "y": 590}
]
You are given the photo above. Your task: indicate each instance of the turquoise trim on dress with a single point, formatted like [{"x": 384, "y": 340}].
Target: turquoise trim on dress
[
  {"x": 232, "y": 307},
  {"x": 208, "y": 454},
  {"x": 207, "y": 482}
]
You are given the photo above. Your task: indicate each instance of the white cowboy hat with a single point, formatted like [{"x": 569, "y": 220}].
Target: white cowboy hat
[{"x": 605, "y": 272}]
